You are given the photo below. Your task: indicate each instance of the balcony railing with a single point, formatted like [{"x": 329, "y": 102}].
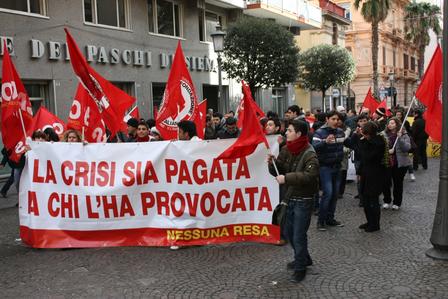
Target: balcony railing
[
  {"x": 300, "y": 8},
  {"x": 329, "y": 6}
]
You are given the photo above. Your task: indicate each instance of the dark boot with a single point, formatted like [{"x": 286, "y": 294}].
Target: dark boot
[{"x": 298, "y": 276}]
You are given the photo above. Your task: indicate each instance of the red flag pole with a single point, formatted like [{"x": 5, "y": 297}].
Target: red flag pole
[{"x": 404, "y": 120}]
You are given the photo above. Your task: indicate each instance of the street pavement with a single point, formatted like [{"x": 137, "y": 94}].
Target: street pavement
[{"x": 348, "y": 263}]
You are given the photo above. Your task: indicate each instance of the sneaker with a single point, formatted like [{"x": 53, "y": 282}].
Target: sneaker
[
  {"x": 321, "y": 227},
  {"x": 291, "y": 265},
  {"x": 412, "y": 176},
  {"x": 298, "y": 276},
  {"x": 174, "y": 247},
  {"x": 395, "y": 207},
  {"x": 386, "y": 206},
  {"x": 335, "y": 223}
]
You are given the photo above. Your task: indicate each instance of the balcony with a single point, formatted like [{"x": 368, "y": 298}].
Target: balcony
[
  {"x": 334, "y": 11},
  {"x": 289, "y": 13},
  {"x": 227, "y": 3}
]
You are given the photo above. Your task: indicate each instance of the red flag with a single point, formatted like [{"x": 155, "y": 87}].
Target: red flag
[
  {"x": 42, "y": 120},
  {"x": 155, "y": 112},
  {"x": 85, "y": 114},
  {"x": 14, "y": 98},
  {"x": 429, "y": 93},
  {"x": 252, "y": 133},
  {"x": 112, "y": 102},
  {"x": 260, "y": 114},
  {"x": 200, "y": 121},
  {"x": 179, "y": 99},
  {"x": 370, "y": 102},
  {"x": 383, "y": 104}
]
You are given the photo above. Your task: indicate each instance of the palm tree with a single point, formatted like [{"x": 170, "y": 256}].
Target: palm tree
[
  {"x": 419, "y": 19},
  {"x": 374, "y": 12}
]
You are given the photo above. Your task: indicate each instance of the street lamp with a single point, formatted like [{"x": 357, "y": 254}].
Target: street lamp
[
  {"x": 392, "y": 93},
  {"x": 218, "y": 46}
]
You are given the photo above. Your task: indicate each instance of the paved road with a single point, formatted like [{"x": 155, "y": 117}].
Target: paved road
[{"x": 348, "y": 263}]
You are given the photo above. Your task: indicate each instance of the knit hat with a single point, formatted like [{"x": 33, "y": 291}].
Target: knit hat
[
  {"x": 155, "y": 131},
  {"x": 132, "y": 122},
  {"x": 380, "y": 111},
  {"x": 340, "y": 109}
]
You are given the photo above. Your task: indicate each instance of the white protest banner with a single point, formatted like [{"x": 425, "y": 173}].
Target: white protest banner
[{"x": 145, "y": 194}]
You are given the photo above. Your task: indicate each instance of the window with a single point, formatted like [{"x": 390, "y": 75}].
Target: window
[
  {"x": 384, "y": 56},
  {"x": 207, "y": 24},
  {"x": 27, "y": 6},
  {"x": 413, "y": 63},
  {"x": 279, "y": 100},
  {"x": 164, "y": 17},
  {"x": 335, "y": 33},
  {"x": 106, "y": 12},
  {"x": 38, "y": 94},
  {"x": 127, "y": 87},
  {"x": 405, "y": 61},
  {"x": 157, "y": 94},
  {"x": 394, "y": 58}
]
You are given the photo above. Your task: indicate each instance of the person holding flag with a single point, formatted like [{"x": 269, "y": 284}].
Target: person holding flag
[{"x": 298, "y": 169}]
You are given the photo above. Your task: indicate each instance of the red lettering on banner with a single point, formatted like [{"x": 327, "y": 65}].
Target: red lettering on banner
[
  {"x": 200, "y": 176},
  {"x": 49, "y": 176},
  {"x": 33, "y": 207},
  {"x": 150, "y": 173},
  {"x": 66, "y": 165},
  {"x": 103, "y": 173},
  {"x": 219, "y": 199},
  {"x": 238, "y": 201},
  {"x": 75, "y": 205},
  {"x": 90, "y": 213},
  {"x": 127, "y": 171},
  {"x": 170, "y": 169},
  {"x": 112, "y": 174},
  {"x": 216, "y": 172},
  {"x": 251, "y": 191},
  {"x": 184, "y": 174},
  {"x": 110, "y": 206},
  {"x": 229, "y": 163},
  {"x": 92, "y": 173},
  {"x": 265, "y": 201},
  {"x": 209, "y": 212},
  {"x": 192, "y": 203},
  {"x": 163, "y": 201},
  {"x": 66, "y": 205},
  {"x": 126, "y": 207},
  {"x": 82, "y": 172},
  {"x": 242, "y": 170},
  {"x": 146, "y": 205},
  {"x": 177, "y": 212},
  {"x": 36, "y": 177},
  {"x": 54, "y": 212}
]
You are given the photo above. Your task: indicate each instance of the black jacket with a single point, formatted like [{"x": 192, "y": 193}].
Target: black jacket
[{"x": 372, "y": 169}]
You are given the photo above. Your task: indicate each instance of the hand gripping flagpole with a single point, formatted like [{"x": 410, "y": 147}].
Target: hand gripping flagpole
[
  {"x": 273, "y": 161},
  {"x": 404, "y": 120}
]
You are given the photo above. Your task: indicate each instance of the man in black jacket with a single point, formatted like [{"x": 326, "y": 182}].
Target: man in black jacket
[{"x": 421, "y": 140}]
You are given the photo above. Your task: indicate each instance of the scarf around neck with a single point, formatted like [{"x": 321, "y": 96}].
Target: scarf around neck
[{"x": 298, "y": 145}]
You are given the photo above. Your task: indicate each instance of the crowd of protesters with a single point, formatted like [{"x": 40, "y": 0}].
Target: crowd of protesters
[{"x": 312, "y": 166}]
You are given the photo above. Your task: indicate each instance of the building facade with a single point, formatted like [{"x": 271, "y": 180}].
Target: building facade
[
  {"x": 335, "y": 22},
  {"x": 397, "y": 58},
  {"x": 131, "y": 43}
]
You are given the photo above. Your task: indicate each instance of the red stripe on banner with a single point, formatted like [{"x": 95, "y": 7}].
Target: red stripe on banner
[{"x": 45, "y": 238}]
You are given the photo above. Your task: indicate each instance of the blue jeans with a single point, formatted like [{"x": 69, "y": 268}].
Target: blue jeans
[
  {"x": 330, "y": 179},
  {"x": 298, "y": 218}
]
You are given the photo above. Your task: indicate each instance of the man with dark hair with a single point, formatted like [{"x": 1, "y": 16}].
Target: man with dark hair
[
  {"x": 187, "y": 130},
  {"x": 230, "y": 129},
  {"x": 210, "y": 132},
  {"x": 421, "y": 140},
  {"x": 132, "y": 129},
  {"x": 328, "y": 141},
  {"x": 293, "y": 112},
  {"x": 380, "y": 118},
  {"x": 299, "y": 173}
]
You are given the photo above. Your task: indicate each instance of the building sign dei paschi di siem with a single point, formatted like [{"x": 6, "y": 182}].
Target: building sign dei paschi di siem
[{"x": 99, "y": 54}]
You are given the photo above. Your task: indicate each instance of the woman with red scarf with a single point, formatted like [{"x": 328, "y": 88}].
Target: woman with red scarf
[{"x": 298, "y": 166}]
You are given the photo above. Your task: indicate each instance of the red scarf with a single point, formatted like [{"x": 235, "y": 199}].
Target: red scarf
[
  {"x": 143, "y": 139},
  {"x": 298, "y": 145}
]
